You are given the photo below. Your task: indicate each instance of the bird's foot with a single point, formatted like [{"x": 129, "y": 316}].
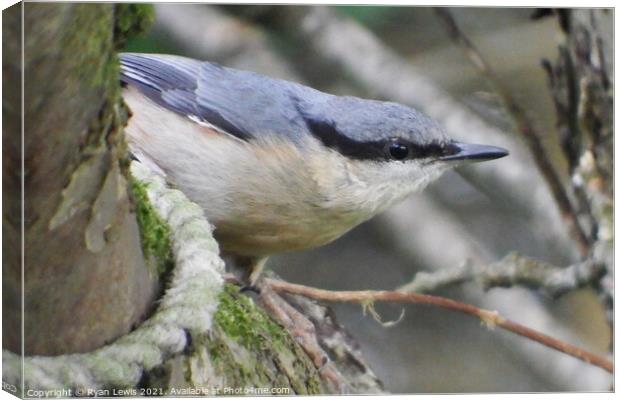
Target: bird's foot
[
  {"x": 244, "y": 285},
  {"x": 232, "y": 279},
  {"x": 250, "y": 288}
]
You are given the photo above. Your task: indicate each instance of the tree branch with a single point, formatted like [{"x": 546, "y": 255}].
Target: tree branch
[
  {"x": 512, "y": 270},
  {"x": 221, "y": 38},
  {"x": 490, "y": 318}
]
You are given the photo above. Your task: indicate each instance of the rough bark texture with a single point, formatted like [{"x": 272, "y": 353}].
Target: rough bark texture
[
  {"x": 11, "y": 176},
  {"x": 581, "y": 83},
  {"x": 86, "y": 281}
]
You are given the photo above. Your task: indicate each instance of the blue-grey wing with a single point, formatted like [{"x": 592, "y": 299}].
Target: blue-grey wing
[{"x": 243, "y": 104}]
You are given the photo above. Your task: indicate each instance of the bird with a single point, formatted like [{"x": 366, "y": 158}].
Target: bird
[{"x": 277, "y": 166}]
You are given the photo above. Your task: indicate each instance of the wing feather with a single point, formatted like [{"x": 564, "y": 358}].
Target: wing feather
[
  {"x": 172, "y": 82},
  {"x": 243, "y": 104}
]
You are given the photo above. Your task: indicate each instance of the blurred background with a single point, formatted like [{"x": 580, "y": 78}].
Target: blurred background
[{"x": 477, "y": 214}]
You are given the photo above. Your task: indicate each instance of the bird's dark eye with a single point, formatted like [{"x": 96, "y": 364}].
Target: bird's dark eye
[{"x": 397, "y": 150}]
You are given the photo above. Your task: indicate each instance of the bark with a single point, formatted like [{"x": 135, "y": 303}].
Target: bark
[
  {"x": 581, "y": 84},
  {"x": 85, "y": 279},
  {"x": 11, "y": 176}
]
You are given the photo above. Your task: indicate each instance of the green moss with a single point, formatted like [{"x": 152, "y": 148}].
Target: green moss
[
  {"x": 154, "y": 232},
  {"x": 89, "y": 40},
  {"x": 240, "y": 319},
  {"x": 268, "y": 355},
  {"x": 240, "y": 369},
  {"x": 91, "y": 58},
  {"x": 313, "y": 385},
  {"x": 131, "y": 20}
]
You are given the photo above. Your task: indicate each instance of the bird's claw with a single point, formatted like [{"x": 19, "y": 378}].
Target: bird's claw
[{"x": 250, "y": 288}]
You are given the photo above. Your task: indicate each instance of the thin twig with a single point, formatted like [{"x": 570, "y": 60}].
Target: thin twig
[
  {"x": 427, "y": 282},
  {"x": 513, "y": 270},
  {"x": 525, "y": 127},
  {"x": 490, "y": 318}
]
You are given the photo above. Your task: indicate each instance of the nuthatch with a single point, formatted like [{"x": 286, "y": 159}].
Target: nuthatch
[{"x": 275, "y": 165}]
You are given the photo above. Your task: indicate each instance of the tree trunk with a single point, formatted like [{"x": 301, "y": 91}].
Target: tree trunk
[
  {"x": 85, "y": 279},
  {"x": 11, "y": 178}
]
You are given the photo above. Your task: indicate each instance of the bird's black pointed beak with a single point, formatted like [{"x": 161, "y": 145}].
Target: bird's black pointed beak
[{"x": 472, "y": 152}]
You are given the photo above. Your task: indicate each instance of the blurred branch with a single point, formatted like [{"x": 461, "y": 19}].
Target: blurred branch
[
  {"x": 512, "y": 270},
  {"x": 220, "y": 38},
  {"x": 437, "y": 226},
  {"x": 564, "y": 93},
  {"x": 489, "y": 318},
  {"x": 426, "y": 282},
  {"x": 525, "y": 127}
]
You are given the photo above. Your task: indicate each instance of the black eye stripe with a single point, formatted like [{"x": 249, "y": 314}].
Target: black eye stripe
[
  {"x": 329, "y": 135},
  {"x": 434, "y": 149}
]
